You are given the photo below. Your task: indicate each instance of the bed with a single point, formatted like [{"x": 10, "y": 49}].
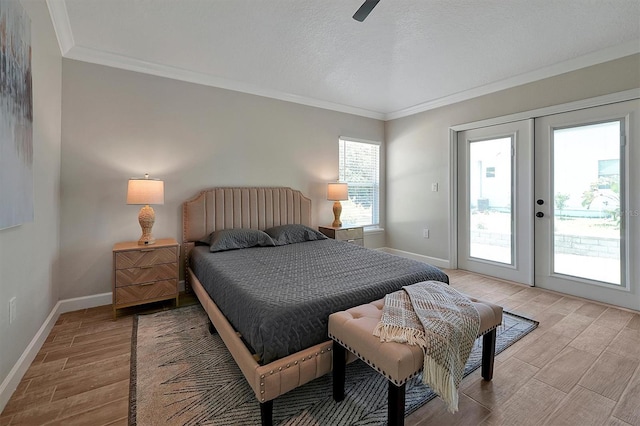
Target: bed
[{"x": 277, "y": 334}]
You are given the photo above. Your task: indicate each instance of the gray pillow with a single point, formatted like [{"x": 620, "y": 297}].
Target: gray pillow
[
  {"x": 291, "y": 234},
  {"x": 231, "y": 239}
]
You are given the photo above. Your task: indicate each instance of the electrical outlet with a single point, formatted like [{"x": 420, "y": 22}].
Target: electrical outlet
[
  {"x": 425, "y": 233},
  {"x": 12, "y": 310},
  {"x": 434, "y": 187}
]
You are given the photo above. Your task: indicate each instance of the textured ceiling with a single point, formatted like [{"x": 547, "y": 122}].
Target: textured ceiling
[{"x": 407, "y": 56}]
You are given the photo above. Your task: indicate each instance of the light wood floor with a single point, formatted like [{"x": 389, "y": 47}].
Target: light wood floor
[{"x": 581, "y": 366}]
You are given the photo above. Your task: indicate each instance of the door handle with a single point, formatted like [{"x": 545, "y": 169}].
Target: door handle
[{"x": 539, "y": 214}]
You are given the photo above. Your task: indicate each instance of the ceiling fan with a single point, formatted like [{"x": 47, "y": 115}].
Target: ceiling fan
[{"x": 365, "y": 10}]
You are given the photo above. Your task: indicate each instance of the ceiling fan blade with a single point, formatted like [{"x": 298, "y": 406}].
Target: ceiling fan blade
[{"x": 365, "y": 10}]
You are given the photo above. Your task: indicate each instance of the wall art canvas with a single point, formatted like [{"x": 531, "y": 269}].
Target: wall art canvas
[{"x": 16, "y": 116}]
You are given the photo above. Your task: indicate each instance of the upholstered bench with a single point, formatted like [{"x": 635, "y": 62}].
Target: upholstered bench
[{"x": 398, "y": 362}]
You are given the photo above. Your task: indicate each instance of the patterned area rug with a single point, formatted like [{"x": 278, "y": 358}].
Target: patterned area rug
[{"x": 182, "y": 375}]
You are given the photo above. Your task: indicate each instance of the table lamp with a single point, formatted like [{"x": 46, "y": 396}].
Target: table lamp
[
  {"x": 337, "y": 191},
  {"x": 146, "y": 191}
]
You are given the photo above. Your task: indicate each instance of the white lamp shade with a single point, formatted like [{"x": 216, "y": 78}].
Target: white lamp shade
[
  {"x": 145, "y": 191},
  {"x": 337, "y": 191}
]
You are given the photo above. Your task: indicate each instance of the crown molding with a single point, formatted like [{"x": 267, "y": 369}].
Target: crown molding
[
  {"x": 131, "y": 64},
  {"x": 62, "y": 27},
  {"x": 61, "y": 24},
  {"x": 609, "y": 54},
  {"x": 69, "y": 50}
]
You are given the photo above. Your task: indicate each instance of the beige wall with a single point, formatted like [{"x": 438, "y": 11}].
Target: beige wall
[
  {"x": 418, "y": 148},
  {"x": 29, "y": 252},
  {"x": 118, "y": 124}
]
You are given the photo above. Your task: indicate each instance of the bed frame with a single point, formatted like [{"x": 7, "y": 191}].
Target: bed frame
[{"x": 257, "y": 208}]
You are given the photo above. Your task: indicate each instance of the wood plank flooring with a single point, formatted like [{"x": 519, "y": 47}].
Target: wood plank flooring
[{"x": 581, "y": 366}]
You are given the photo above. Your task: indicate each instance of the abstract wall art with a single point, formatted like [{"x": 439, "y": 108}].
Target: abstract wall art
[{"x": 16, "y": 116}]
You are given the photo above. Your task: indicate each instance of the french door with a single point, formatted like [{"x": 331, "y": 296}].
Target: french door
[
  {"x": 495, "y": 192},
  {"x": 585, "y": 231},
  {"x": 553, "y": 202}
]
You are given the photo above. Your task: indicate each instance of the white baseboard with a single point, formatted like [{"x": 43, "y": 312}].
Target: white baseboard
[
  {"x": 85, "y": 302},
  {"x": 12, "y": 380},
  {"x": 435, "y": 261}
]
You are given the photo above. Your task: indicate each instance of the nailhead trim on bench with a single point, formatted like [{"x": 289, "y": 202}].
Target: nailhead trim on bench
[{"x": 372, "y": 365}]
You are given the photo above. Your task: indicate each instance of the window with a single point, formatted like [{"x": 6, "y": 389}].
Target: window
[{"x": 360, "y": 168}]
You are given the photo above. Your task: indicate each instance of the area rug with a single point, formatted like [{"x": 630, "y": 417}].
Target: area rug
[{"x": 182, "y": 375}]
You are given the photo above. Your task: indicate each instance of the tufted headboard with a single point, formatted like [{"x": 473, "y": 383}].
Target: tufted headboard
[
  {"x": 242, "y": 207},
  {"x": 258, "y": 208}
]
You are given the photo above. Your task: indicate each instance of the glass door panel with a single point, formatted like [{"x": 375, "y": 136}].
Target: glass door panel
[
  {"x": 586, "y": 239},
  {"x": 495, "y": 201},
  {"x": 586, "y": 202},
  {"x": 490, "y": 200}
]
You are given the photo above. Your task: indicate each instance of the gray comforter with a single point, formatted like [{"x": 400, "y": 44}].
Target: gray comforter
[{"x": 280, "y": 298}]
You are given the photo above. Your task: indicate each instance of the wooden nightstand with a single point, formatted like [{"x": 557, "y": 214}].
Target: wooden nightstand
[
  {"x": 354, "y": 234},
  {"x": 144, "y": 274}
]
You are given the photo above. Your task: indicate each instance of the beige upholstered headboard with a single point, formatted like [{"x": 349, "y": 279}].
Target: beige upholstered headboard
[
  {"x": 257, "y": 208},
  {"x": 225, "y": 208}
]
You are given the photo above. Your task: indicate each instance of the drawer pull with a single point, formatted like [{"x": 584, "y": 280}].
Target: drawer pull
[
  {"x": 146, "y": 284},
  {"x": 350, "y": 241},
  {"x": 146, "y": 267},
  {"x": 146, "y": 250}
]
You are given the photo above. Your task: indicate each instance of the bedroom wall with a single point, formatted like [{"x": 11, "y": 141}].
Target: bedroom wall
[
  {"x": 117, "y": 124},
  {"x": 418, "y": 148},
  {"x": 29, "y": 252}
]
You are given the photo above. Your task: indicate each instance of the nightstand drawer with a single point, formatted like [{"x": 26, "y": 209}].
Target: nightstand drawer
[
  {"x": 354, "y": 235},
  {"x": 144, "y": 274},
  {"x": 349, "y": 234},
  {"x": 134, "y": 294},
  {"x": 145, "y": 257}
]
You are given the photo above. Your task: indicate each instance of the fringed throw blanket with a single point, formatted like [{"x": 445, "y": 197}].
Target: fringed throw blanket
[{"x": 443, "y": 322}]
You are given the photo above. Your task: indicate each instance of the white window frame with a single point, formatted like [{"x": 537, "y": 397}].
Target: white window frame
[{"x": 376, "y": 202}]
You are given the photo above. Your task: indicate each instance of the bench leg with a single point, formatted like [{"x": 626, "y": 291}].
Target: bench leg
[
  {"x": 339, "y": 366},
  {"x": 395, "y": 410},
  {"x": 488, "y": 353},
  {"x": 266, "y": 413}
]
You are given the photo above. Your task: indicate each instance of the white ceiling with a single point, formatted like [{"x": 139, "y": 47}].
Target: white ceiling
[{"x": 407, "y": 56}]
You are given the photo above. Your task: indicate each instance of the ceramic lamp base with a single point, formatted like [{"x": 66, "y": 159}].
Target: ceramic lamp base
[{"x": 337, "y": 211}]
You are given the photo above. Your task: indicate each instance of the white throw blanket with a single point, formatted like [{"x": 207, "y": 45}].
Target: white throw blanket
[{"x": 443, "y": 322}]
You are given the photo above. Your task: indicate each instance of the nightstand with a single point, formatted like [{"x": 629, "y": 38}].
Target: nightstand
[
  {"x": 354, "y": 234},
  {"x": 144, "y": 274}
]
